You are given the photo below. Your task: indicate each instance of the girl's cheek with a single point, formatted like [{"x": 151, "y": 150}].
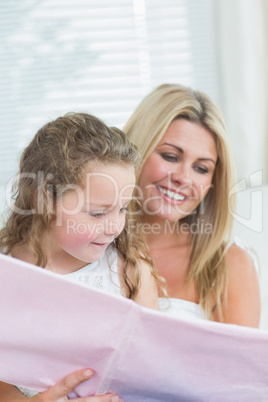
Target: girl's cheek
[{"x": 81, "y": 231}]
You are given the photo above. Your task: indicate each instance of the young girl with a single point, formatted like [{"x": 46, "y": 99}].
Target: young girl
[{"x": 70, "y": 213}]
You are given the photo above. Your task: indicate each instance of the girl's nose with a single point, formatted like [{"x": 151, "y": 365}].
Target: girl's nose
[{"x": 114, "y": 225}]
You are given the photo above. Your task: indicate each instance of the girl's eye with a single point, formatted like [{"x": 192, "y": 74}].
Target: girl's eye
[
  {"x": 96, "y": 214},
  {"x": 201, "y": 169},
  {"x": 170, "y": 157}
]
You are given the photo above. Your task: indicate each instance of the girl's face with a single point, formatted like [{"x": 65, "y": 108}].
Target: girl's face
[
  {"x": 178, "y": 174},
  {"x": 90, "y": 217}
]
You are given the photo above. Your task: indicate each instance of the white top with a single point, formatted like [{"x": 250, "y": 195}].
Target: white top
[
  {"x": 181, "y": 309},
  {"x": 101, "y": 274}
]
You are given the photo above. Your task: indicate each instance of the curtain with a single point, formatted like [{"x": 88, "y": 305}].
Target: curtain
[
  {"x": 96, "y": 56},
  {"x": 241, "y": 31}
]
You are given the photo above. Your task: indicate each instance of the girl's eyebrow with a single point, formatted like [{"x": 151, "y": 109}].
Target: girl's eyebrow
[
  {"x": 182, "y": 152},
  {"x": 98, "y": 204}
]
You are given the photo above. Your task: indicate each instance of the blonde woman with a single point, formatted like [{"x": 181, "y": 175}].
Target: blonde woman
[{"x": 184, "y": 183}]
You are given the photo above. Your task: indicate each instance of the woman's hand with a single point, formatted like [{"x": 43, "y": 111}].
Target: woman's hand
[{"x": 58, "y": 392}]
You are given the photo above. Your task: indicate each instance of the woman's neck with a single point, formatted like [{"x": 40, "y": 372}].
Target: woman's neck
[
  {"x": 163, "y": 232},
  {"x": 170, "y": 248}
]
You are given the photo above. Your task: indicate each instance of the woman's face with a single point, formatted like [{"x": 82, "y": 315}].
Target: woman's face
[{"x": 178, "y": 174}]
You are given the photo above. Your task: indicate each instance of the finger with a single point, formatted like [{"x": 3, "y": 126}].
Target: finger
[
  {"x": 67, "y": 384},
  {"x": 99, "y": 398}
]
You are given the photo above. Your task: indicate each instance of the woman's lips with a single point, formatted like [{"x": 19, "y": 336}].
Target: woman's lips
[{"x": 172, "y": 195}]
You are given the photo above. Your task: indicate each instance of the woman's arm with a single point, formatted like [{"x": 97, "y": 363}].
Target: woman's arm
[
  {"x": 243, "y": 300},
  {"x": 57, "y": 393},
  {"x": 147, "y": 295}
]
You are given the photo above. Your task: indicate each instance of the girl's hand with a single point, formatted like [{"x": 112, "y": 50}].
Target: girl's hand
[{"x": 59, "y": 391}]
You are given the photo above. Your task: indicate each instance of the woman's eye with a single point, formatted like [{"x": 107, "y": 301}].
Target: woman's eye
[
  {"x": 124, "y": 210},
  {"x": 201, "y": 169},
  {"x": 170, "y": 157}
]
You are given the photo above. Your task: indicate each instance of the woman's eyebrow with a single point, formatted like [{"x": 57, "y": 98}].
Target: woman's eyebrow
[
  {"x": 174, "y": 146},
  {"x": 207, "y": 159}
]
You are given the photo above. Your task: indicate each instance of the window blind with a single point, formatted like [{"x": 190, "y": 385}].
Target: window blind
[{"x": 96, "y": 56}]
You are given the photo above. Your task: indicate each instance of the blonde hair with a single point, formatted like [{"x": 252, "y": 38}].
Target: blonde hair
[
  {"x": 56, "y": 158},
  {"x": 145, "y": 128}
]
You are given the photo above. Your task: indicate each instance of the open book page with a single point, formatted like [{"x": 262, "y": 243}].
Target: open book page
[{"x": 51, "y": 327}]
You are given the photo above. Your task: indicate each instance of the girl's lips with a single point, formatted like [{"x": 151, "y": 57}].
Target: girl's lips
[{"x": 101, "y": 245}]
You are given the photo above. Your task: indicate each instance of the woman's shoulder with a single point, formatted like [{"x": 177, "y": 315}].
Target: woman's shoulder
[
  {"x": 241, "y": 255},
  {"x": 242, "y": 268},
  {"x": 243, "y": 286}
]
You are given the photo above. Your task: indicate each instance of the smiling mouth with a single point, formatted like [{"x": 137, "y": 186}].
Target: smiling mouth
[
  {"x": 101, "y": 244},
  {"x": 171, "y": 194}
]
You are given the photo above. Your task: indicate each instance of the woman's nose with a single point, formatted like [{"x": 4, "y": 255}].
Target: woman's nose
[{"x": 182, "y": 175}]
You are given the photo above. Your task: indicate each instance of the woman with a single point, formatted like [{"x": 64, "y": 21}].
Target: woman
[{"x": 184, "y": 184}]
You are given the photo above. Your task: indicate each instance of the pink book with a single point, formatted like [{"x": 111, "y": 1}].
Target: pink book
[{"x": 51, "y": 326}]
